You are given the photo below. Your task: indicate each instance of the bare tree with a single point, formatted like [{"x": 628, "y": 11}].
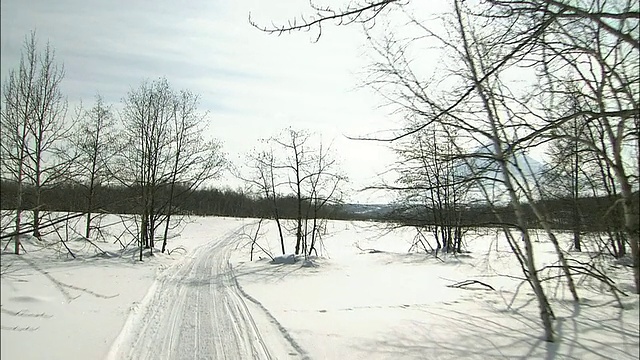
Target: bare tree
[
  {"x": 432, "y": 187},
  {"x": 477, "y": 65},
  {"x": 593, "y": 47},
  {"x": 166, "y": 154},
  {"x": 49, "y": 131},
  {"x": 34, "y": 127},
  {"x": 95, "y": 141},
  {"x": 17, "y": 111},
  {"x": 324, "y": 188},
  {"x": 146, "y": 118},
  {"x": 297, "y": 159},
  {"x": 605, "y": 185},
  {"x": 491, "y": 119},
  {"x": 264, "y": 179},
  {"x": 195, "y": 159},
  {"x": 566, "y": 177},
  {"x": 298, "y": 178},
  {"x": 595, "y": 42}
]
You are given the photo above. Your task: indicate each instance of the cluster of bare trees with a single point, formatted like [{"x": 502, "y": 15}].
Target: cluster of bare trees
[
  {"x": 514, "y": 76},
  {"x": 168, "y": 152},
  {"x": 575, "y": 173},
  {"x": 34, "y": 128},
  {"x": 295, "y": 164},
  {"x": 155, "y": 148},
  {"x": 432, "y": 190}
]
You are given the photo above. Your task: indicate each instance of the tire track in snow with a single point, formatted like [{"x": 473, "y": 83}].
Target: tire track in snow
[{"x": 196, "y": 312}]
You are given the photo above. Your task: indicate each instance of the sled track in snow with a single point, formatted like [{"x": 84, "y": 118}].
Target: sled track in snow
[{"x": 197, "y": 311}]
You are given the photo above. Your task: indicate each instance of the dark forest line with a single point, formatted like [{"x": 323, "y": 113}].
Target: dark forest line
[{"x": 596, "y": 213}]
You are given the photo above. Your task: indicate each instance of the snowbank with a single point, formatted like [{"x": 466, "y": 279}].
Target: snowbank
[{"x": 284, "y": 259}]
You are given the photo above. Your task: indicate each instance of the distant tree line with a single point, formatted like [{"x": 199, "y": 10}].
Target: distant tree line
[
  {"x": 599, "y": 214},
  {"x": 205, "y": 201}
]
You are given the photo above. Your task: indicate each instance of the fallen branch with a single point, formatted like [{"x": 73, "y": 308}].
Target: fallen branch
[
  {"x": 63, "y": 242},
  {"x": 89, "y": 241},
  {"x": 176, "y": 249},
  {"x": 43, "y": 226},
  {"x": 265, "y": 252},
  {"x": 464, "y": 284},
  {"x": 370, "y": 251},
  {"x": 9, "y": 242}
]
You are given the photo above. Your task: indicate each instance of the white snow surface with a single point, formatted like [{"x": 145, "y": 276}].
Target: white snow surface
[{"x": 363, "y": 297}]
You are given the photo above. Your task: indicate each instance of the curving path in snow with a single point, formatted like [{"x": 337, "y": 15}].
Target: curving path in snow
[{"x": 195, "y": 310}]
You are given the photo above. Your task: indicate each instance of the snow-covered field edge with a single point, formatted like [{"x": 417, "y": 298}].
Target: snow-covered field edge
[{"x": 352, "y": 303}]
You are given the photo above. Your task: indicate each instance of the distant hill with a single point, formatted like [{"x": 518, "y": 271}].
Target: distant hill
[
  {"x": 489, "y": 167},
  {"x": 521, "y": 165},
  {"x": 367, "y": 211}
]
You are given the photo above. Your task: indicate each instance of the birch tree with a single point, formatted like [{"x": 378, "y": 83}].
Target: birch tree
[
  {"x": 265, "y": 181},
  {"x": 34, "y": 128},
  {"x": 166, "y": 154},
  {"x": 296, "y": 165},
  {"x": 195, "y": 159},
  {"x": 97, "y": 145},
  {"x": 590, "y": 45},
  {"x": 593, "y": 47}
]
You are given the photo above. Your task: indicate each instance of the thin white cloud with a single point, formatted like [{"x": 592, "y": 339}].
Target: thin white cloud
[{"x": 252, "y": 84}]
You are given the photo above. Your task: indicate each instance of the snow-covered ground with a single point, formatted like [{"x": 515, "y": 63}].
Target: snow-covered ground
[{"x": 365, "y": 297}]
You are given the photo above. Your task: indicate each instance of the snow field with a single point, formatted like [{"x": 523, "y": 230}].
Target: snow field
[
  {"x": 364, "y": 298},
  {"x": 385, "y": 303}
]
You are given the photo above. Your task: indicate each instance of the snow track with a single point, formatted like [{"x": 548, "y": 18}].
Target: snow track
[{"x": 195, "y": 311}]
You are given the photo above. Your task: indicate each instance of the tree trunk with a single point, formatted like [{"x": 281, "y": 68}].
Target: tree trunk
[
  {"x": 556, "y": 245},
  {"x": 298, "y": 196},
  {"x": 169, "y": 211},
  {"x": 280, "y": 234},
  {"x": 576, "y": 237},
  {"x": 36, "y": 221},
  {"x": 143, "y": 230},
  {"x": 18, "y": 218},
  {"x": 166, "y": 232},
  {"x": 621, "y": 247},
  {"x": 152, "y": 222},
  {"x": 36, "y": 210},
  {"x": 532, "y": 274},
  {"x": 575, "y": 183},
  {"x": 92, "y": 185},
  {"x": 299, "y": 223},
  {"x": 314, "y": 229},
  {"x": 631, "y": 213},
  {"x": 631, "y": 227},
  {"x": 87, "y": 229},
  {"x": 276, "y": 213},
  {"x": 19, "y": 195}
]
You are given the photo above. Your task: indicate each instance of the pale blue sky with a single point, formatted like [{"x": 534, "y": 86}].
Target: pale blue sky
[{"x": 252, "y": 84}]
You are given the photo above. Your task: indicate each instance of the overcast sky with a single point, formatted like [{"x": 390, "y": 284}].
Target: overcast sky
[{"x": 252, "y": 84}]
